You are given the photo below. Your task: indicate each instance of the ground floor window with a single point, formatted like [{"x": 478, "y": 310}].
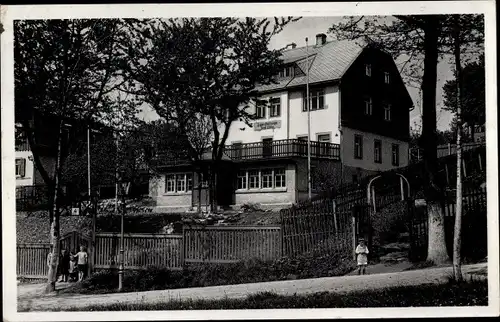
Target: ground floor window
[
  {"x": 268, "y": 178},
  {"x": 20, "y": 167},
  {"x": 179, "y": 182},
  {"x": 242, "y": 180}
]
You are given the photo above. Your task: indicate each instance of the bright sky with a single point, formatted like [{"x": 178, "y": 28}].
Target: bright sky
[{"x": 310, "y": 26}]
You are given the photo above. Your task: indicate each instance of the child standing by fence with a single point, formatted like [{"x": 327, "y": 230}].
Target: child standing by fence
[
  {"x": 362, "y": 252},
  {"x": 82, "y": 260}
]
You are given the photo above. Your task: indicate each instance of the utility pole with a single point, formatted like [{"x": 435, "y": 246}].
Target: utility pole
[{"x": 308, "y": 104}]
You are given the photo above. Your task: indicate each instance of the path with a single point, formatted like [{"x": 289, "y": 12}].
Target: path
[{"x": 341, "y": 284}]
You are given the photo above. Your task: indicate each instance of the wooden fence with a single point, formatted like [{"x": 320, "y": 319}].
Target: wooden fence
[
  {"x": 474, "y": 225},
  {"x": 140, "y": 250},
  {"x": 231, "y": 244},
  {"x": 323, "y": 224},
  {"x": 32, "y": 260}
]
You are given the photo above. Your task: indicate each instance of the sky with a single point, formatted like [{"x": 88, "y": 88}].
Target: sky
[{"x": 311, "y": 26}]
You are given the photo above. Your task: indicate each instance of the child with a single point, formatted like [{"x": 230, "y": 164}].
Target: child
[
  {"x": 72, "y": 267},
  {"x": 64, "y": 263},
  {"x": 82, "y": 260},
  {"x": 362, "y": 252}
]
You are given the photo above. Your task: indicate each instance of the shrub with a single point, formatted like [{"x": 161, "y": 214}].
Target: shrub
[
  {"x": 389, "y": 222},
  {"x": 316, "y": 263}
]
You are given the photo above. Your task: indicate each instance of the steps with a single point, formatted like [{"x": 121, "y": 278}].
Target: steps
[{"x": 395, "y": 252}]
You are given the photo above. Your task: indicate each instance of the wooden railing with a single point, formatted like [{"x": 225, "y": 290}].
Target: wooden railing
[
  {"x": 282, "y": 148},
  {"x": 416, "y": 154},
  {"x": 264, "y": 150}
]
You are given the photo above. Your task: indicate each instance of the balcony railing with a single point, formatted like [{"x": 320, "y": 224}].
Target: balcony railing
[
  {"x": 264, "y": 150},
  {"x": 282, "y": 148}
]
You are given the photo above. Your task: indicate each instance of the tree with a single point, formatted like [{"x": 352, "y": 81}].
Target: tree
[
  {"x": 473, "y": 95},
  {"x": 420, "y": 41},
  {"x": 457, "y": 235},
  {"x": 205, "y": 70},
  {"x": 66, "y": 70}
]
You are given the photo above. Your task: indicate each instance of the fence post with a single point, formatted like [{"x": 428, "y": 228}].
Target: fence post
[
  {"x": 183, "y": 244},
  {"x": 354, "y": 233}
]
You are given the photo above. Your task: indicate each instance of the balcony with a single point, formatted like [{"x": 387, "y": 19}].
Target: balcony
[
  {"x": 282, "y": 149},
  {"x": 262, "y": 151}
]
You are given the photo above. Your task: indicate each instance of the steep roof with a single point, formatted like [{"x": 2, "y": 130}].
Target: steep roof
[{"x": 329, "y": 62}]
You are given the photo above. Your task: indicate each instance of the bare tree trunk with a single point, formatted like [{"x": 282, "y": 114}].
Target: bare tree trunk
[
  {"x": 457, "y": 235},
  {"x": 433, "y": 189},
  {"x": 54, "y": 225}
]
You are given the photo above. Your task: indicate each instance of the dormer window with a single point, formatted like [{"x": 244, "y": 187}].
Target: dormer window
[
  {"x": 368, "y": 70},
  {"x": 287, "y": 71}
]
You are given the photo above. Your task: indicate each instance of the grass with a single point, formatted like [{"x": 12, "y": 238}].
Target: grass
[
  {"x": 471, "y": 293},
  {"x": 309, "y": 265}
]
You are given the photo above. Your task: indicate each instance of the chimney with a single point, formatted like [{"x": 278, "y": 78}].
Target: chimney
[
  {"x": 293, "y": 45},
  {"x": 320, "y": 39}
]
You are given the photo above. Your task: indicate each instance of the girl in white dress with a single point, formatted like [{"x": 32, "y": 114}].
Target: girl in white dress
[{"x": 362, "y": 252}]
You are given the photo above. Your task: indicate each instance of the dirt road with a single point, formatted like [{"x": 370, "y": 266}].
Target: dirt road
[{"x": 27, "y": 300}]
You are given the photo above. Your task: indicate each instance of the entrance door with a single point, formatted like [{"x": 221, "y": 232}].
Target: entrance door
[
  {"x": 200, "y": 188},
  {"x": 267, "y": 147}
]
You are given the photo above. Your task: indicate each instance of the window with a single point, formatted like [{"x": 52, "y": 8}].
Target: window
[
  {"x": 180, "y": 182},
  {"x": 387, "y": 77},
  {"x": 171, "y": 183},
  {"x": 316, "y": 99},
  {"x": 395, "y": 154},
  {"x": 358, "y": 147},
  {"x": 260, "y": 110},
  {"x": 242, "y": 180},
  {"x": 267, "y": 178},
  {"x": 354, "y": 178},
  {"x": 324, "y": 144},
  {"x": 368, "y": 70},
  {"x": 324, "y": 138},
  {"x": 20, "y": 167},
  {"x": 377, "y": 151},
  {"x": 254, "y": 177},
  {"x": 387, "y": 112},
  {"x": 287, "y": 72},
  {"x": 368, "y": 106},
  {"x": 275, "y": 108},
  {"x": 279, "y": 178}
]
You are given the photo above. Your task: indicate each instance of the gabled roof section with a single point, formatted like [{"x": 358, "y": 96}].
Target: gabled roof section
[{"x": 328, "y": 63}]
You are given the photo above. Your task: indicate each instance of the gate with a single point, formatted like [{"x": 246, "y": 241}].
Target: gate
[
  {"x": 418, "y": 225},
  {"x": 72, "y": 242}
]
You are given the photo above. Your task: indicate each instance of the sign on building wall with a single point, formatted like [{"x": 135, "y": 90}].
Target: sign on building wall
[{"x": 259, "y": 126}]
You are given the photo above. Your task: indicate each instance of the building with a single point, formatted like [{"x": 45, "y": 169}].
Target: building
[
  {"x": 360, "y": 111},
  {"x": 46, "y": 129}
]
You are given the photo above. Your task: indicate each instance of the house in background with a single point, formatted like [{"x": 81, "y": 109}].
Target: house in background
[
  {"x": 29, "y": 181},
  {"x": 359, "y": 111}
]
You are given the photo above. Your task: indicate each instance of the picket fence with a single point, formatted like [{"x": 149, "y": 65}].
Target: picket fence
[
  {"x": 32, "y": 260},
  {"x": 196, "y": 244}
]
